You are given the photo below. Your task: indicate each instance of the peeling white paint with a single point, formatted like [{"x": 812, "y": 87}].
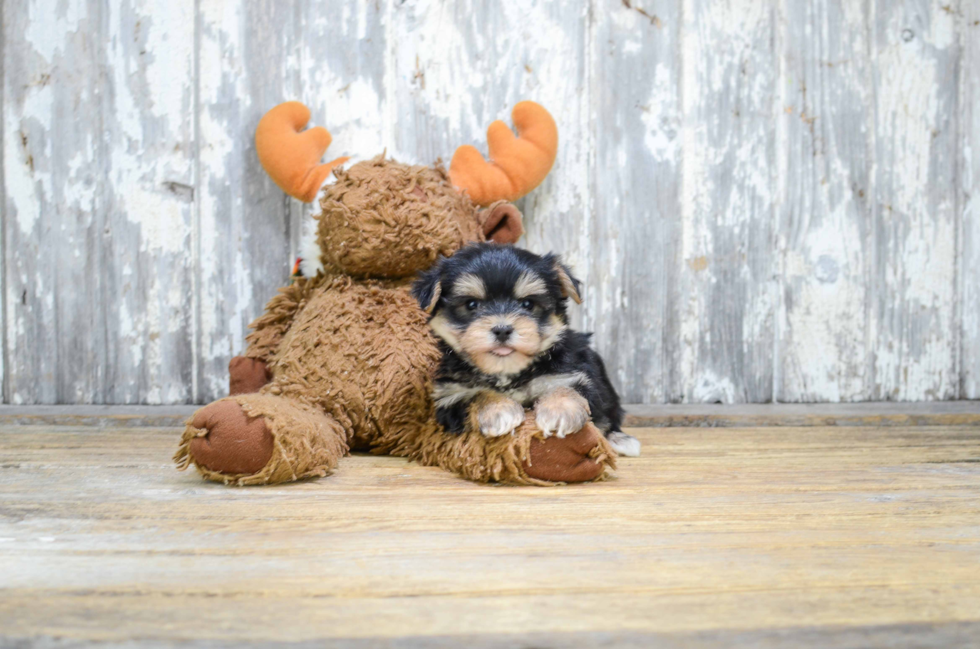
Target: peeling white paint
[
  {"x": 727, "y": 194},
  {"x": 140, "y": 167},
  {"x": 224, "y": 284},
  {"x": 969, "y": 193},
  {"x": 824, "y": 112},
  {"x": 915, "y": 355},
  {"x": 711, "y": 388},
  {"x": 766, "y": 274},
  {"x": 47, "y": 29},
  {"x": 661, "y": 137},
  {"x": 352, "y": 111}
]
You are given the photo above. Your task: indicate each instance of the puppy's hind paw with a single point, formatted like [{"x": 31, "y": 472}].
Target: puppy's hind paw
[
  {"x": 498, "y": 416},
  {"x": 624, "y": 444},
  {"x": 561, "y": 412}
]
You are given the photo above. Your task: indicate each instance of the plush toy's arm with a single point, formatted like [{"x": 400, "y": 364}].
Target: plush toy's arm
[{"x": 270, "y": 327}]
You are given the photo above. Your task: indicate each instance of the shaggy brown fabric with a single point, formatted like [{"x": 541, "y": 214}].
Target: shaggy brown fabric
[
  {"x": 305, "y": 442},
  {"x": 523, "y": 458},
  {"x": 352, "y": 358},
  {"x": 375, "y": 223},
  {"x": 271, "y": 326},
  {"x": 247, "y": 375}
]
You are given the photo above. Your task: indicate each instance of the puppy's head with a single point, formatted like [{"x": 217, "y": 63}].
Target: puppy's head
[{"x": 499, "y": 307}]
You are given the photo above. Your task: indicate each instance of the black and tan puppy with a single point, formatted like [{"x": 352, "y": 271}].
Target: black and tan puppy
[{"x": 500, "y": 314}]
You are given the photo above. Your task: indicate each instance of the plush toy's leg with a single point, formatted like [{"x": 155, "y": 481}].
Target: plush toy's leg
[
  {"x": 580, "y": 457},
  {"x": 261, "y": 439},
  {"x": 524, "y": 457}
]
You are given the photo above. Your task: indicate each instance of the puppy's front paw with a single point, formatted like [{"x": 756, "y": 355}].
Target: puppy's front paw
[
  {"x": 498, "y": 415},
  {"x": 624, "y": 444},
  {"x": 561, "y": 412}
]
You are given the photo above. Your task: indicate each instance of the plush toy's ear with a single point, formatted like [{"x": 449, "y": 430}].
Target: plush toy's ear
[
  {"x": 518, "y": 164},
  {"x": 570, "y": 286},
  {"x": 502, "y": 223},
  {"x": 427, "y": 289},
  {"x": 290, "y": 155}
]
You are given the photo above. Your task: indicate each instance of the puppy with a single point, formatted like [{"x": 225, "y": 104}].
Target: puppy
[{"x": 500, "y": 315}]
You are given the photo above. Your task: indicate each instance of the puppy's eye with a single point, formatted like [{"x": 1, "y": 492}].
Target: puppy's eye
[
  {"x": 527, "y": 305},
  {"x": 472, "y": 304}
]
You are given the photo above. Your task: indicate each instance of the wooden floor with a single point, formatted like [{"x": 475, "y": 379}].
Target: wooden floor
[{"x": 810, "y": 536}]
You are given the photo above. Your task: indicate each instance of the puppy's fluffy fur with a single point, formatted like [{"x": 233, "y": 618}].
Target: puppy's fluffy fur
[{"x": 500, "y": 314}]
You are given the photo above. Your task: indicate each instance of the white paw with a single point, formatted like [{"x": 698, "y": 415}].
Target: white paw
[
  {"x": 501, "y": 417},
  {"x": 561, "y": 414},
  {"x": 624, "y": 444}
]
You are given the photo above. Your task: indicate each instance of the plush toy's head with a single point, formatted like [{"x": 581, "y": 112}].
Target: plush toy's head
[{"x": 382, "y": 218}]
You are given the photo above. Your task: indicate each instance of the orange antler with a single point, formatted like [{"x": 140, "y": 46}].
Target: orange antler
[
  {"x": 519, "y": 164},
  {"x": 290, "y": 156}
]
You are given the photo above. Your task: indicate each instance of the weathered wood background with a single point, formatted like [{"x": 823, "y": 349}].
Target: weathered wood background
[{"x": 767, "y": 200}]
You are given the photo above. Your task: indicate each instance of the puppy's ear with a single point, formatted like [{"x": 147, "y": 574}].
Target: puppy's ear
[
  {"x": 570, "y": 286},
  {"x": 502, "y": 223},
  {"x": 427, "y": 289}
]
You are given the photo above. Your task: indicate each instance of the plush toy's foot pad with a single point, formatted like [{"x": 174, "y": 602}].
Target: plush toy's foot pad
[
  {"x": 580, "y": 457},
  {"x": 229, "y": 441},
  {"x": 247, "y": 375}
]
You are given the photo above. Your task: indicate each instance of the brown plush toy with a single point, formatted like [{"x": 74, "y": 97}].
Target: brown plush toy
[{"x": 343, "y": 360}]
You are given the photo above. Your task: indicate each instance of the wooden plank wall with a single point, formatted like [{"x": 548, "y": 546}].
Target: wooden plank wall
[{"x": 766, "y": 200}]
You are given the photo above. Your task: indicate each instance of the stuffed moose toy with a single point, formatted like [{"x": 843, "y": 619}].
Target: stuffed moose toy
[{"x": 342, "y": 359}]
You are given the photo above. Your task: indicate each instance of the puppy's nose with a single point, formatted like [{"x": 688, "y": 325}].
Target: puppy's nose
[{"x": 502, "y": 332}]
